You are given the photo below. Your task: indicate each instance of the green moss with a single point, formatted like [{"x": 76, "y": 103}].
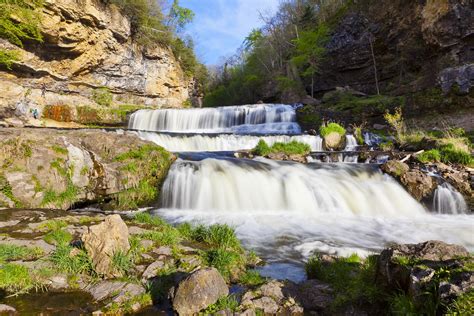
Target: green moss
[
  {"x": 291, "y": 148},
  {"x": 60, "y": 150},
  {"x": 252, "y": 278},
  {"x": 102, "y": 96},
  {"x": 332, "y": 128},
  {"x": 8, "y": 58},
  {"x": 20, "y": 21}
]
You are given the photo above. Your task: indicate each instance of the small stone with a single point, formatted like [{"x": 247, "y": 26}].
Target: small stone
[
  {"x": 267, "y": 304},
  {"x": 272, "y": 289},
  {"x": 146, "y": 244},
  {"x": 164, "y": 250},
  {"x": 199, "y": 290},
  {"x": 152, "y": 270},
  {"x": 7, "y": 310},
  {"x": 103, "y": 241}
]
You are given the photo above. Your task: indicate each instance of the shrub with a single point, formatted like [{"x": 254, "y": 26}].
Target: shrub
[
  {"x": 102, "y": 96},
  {"x": 291, "y": 148},
  {"x": 19, "y": 21},
  {"x": 395, "y": 120},
  {"x": 332, "y": 128},
  {"x": 8, "y": 57},
  {"x": 429, "y": 156}
]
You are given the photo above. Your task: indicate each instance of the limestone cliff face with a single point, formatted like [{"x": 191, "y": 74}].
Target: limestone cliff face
[
  {"x": 88, "y": 45},
  {"x": 417, "y": 44}
]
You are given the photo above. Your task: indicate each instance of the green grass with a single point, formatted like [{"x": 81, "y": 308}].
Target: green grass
[
  {"x": 7, "y": 190},
  {"x": 58, "y": 237},
  {"x": 387, "y": 146},
  {"x": 449, "y": 154},
  {"x": 223, "y": 303},
  {"x": 127, "y": 306},
  {"x": 13, "y": 252},
  {"x": 63, "y": 260},
  {"x": 148, "y": 219},
  {"x": 102, "y": 96},
  {"x": 252, "y": 278},
  {"x": 167, "y": 236},
  {"x": 343, "y": 101},
  {"x": 225, "y": 261},
  {"x": 432, "y": 155},
  {"x": 122, "y": 263},
  {"x": 401, "y": 304},
  {"x": 16, "y": 279},
  {"x": 291, "y": 148},
  {"x": 332, "y": 128},
  {"x": 59, "y": 150},
  {"x": 52, "y": 225},
  {"x": 352, "y": 279},
  {"x": 463, "y": 305}
]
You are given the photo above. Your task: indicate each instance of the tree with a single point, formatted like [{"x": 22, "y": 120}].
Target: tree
[
  {"x": 180, "y": 16},
  {"x": 310, "y": 51}
]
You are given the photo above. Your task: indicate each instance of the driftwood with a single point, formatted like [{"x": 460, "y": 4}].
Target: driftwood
[{"x": 409, "y": 156}]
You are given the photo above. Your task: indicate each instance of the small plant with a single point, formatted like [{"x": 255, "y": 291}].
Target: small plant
[
  {"x": 102, "y": 96},
  {"x": 291, "y": 148},
  {"x": 8, "y": 58},
  {"x": 463, "y": 305},
  {"x": 432, "y": 155},
  {"x": 223, "y": 260},
  {"x": 74, "y": 262},
  {"x": 449, "y": 154},
  {"x": 13, "y": 252},
  {"x": 167, "y": 236},
  {"x": 395, "y": 120},
  {"x": 224, "y": 303},
  {"x": 401, "y": 304},
  {"x": 327, "y": 129},
  {"x": 252, "y": 278},
  {"x": 148, "y": 219},
  {"x": 121, "y": 262},
  {"x": 15, "y": 278},
  {"x": 387, "y": 146},
  {"x": 59, "y": 149}
]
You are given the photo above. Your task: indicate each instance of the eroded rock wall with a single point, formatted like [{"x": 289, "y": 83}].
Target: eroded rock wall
[{"x": 88, "y": 45}]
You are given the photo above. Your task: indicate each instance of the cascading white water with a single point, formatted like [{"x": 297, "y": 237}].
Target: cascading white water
[
  {"x": 223, "y": 142},
  {"x": 294, "y": 209},
  {"x": 447, "y": 200},
  {"x": 245, "y": 119},
  {"x": 351, "y": 143}
]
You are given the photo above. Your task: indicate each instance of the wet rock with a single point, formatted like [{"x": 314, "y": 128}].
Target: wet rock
[
  {"x": 393, "y": 266},
  {"x": 418, "y": 184},
  {"x": 103, "y": 241},
  {"x": 199, "y": 290},
  {"x": 152, "y": 270},
  {"x": 457, "y": 285},
  {"x": 333, "y": 141},
  {"x": 313, "y": 295},
  {"x": 7, "y": 310},
  {"x": 395, "y": 168}
]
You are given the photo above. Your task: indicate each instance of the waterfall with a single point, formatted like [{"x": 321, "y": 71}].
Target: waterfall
[
  {"x": 223, "y": 142},
  {"x": 287, "y": 210},
  {"x": 447, "y": 200},
  {"x": 351, "y": 143},
  {"x": 245, "y": 119},
  {"x": 265, "y": 185}
]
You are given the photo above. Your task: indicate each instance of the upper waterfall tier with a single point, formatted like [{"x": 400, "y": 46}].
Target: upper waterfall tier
[{"x": 245, "y": 119}]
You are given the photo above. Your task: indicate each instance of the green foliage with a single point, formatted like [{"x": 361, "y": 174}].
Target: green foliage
[
  {"x": 352, "y": 279},
  {"x": 102, "y": 96},
  {"x": 310, "y": 49},
  {"x": 291, "y": 148},
  {"x": 225, "y": 261},
  {"x": 449, "y": 154},
  {"x": 15, "y": 278},
  {"x": 359, "y": 135},
  {"x": 167, "y": 236},
  {"x": 252, "y": 278},
  {"x": 332, "y": 128},
  {"x": 75, "y": 263},
  {"x": 309, "y": 117},
  {"x": 395, "y": 120},
  {"x": 401, "y": 304},
  {"x": 223, "y": 303},
  {"x": 148, "y": 219},
  {"x": 60, "y": 150},
  {"x": 19, "y": 21},
  {"x": 180, "y": 16},
  {"x": 8, "y": 57},
  {"x": 217, "y": 236},
  {"x": 432, "y": 155},
  {"x": 122, "y": 263},
  {"x": 463, "y": 305},
  {"x": 7, "y": 190},
  {"x": 13, "y": 252},
  {"x": 387, "y": 146}
]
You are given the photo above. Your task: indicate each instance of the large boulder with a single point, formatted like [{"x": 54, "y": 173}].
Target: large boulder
[
  {"x": 415, "y": 269},
  {"x": 419, "y": 184},
  {"x": 199, "y": 290},
  {"x": 105, "y": 240}
]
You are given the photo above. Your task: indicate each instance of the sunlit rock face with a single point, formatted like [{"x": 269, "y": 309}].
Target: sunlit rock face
[{"x": 88, "y": 45}]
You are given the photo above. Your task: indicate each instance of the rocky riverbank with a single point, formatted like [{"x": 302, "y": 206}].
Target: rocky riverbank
[
  {"x": 140, "y": 263},
  {"x": 44, "y": 168}
]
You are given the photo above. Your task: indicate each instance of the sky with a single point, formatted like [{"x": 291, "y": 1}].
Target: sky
[{"x": 220, "y": 26}]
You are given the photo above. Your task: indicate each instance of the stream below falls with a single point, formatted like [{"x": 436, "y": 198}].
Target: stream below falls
[{"x": 285, "y": 211}]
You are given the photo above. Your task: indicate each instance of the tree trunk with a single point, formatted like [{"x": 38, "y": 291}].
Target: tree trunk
[{"x": 375, "y": 65}]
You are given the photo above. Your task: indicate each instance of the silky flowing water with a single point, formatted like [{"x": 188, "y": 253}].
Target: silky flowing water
[{"x": 286, "y": 211}]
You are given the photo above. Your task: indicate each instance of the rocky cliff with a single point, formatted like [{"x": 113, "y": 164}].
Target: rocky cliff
[
  {"x": 88, "y": 46},
  {"x": 421, "y": 50}
]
